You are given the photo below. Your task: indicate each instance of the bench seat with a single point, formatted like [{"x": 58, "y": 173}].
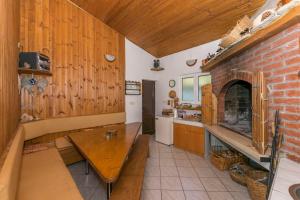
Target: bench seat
[
  {"x": 45, "y": 176},
  {"x": 130, "y": 182}
]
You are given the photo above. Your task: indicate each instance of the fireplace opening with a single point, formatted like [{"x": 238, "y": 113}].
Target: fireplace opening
[{"x": 237, "y": 108}]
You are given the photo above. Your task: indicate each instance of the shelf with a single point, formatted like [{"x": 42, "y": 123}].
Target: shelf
[
  {"x": 280, "y": 24},
  {"x": 34, "y": 72},
  {"x": 240, "y": 143}
]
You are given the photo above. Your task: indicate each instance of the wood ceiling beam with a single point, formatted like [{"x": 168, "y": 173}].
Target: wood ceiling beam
[{"x": 162, "y": 27}]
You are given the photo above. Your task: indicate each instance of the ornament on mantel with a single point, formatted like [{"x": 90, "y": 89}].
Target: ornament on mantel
[{"x": 156, "y": 66}]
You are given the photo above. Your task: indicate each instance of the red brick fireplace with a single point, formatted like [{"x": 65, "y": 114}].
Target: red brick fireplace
[{"x": 278, "y": 57}]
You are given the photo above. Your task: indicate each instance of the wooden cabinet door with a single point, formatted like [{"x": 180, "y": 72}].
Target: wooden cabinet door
[
  {"x": 196, "y": 140},
  {"x": 179, "y": 131},
  {"x": 259, "y": 113},
  {"x": 206, "y": 104}
]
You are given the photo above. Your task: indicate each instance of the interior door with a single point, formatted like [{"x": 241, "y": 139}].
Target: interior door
[{"x": 148, "y": 106}]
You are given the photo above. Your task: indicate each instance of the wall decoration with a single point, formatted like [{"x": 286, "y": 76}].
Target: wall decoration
[
  {"x": 81, "y": 83},
  {"x": 172, "y": 94},
  {"x": 191, "y": 62},
  {"x": 172, "y": 83},
  {"x": 132, "y": 88},
  {"x": 156, "y": 66},
  {"x": 31, "y": 84},
  {"x": 109, "y": 57}
]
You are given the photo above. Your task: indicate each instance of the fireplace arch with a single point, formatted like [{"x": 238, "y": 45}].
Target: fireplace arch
[{"x": 235, "y": 102}]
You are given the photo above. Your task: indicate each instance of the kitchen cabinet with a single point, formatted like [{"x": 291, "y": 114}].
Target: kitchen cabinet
[{"x": 189, "y": 138}]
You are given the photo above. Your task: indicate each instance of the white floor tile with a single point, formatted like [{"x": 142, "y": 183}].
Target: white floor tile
[
  {"x": 220, "y": 196},
  {"x": 152, "y": 171},
  {"x": 152, "y": 183},
  {"x": 180, "y": 156},
  {"x": 213, "y": 184},
  {"x": 166, "y": 155},
  {"x": 151, "y": 195},
  {"x": 196, "y": 195},
  {"x": 170, "y": 183},
  {"x": 186, "y": 172},
  {"x": 205, "y": 172},
  {"x": 168, "y": 171},
  {"x": 167, "y": 162},
  {"x": 183, "y": 163},
  {"x": 240, "y": 195},
  {"x": 191, "y": 184},
  {"x": 172, "y": 195}
]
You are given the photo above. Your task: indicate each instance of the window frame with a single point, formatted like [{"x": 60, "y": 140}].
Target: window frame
[{"x": 196, "y": 86}]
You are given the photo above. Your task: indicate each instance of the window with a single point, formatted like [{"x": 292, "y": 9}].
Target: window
[
  {"x": 188, "y": 89},
  {"x": 191, "y": 87}
]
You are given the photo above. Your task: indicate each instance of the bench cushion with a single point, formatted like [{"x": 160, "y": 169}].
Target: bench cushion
[
  {"x": 9, "y": 175},
  {"x": 42, "y": 127},
  {"x": 45, "y": 176}
]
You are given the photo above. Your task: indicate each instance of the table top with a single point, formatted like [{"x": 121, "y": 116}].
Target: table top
[{"x": 106, "y": 156}]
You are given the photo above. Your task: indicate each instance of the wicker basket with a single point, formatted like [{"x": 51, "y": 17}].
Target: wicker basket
[
  {"x": 256, "y": 183},
  {"x": 235, "y": 34},
  {"x": 243, "y": 24},
  {"x": 238, "y": 172},
  {"x": 229, "y": 38},
  {"x": 223, "y": 159}
]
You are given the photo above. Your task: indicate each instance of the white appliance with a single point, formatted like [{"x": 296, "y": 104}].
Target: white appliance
[{"x": 164, "y": 130}]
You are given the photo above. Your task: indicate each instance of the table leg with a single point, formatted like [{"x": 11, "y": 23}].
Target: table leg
[
  {"x": 87, "y": 167},
  {"x": 108, "y": 190}
]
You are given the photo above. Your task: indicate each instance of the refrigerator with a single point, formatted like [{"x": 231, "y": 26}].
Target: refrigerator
[{"x": 164, "y": 129}]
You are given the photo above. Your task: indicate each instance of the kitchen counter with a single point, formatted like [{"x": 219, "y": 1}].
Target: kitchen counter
[{"x": 187, "y": 122}]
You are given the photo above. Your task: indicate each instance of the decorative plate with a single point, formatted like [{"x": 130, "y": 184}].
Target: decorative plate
[
  {"x": 191, "y": 62},
  {"x": 109, "y": 57}
]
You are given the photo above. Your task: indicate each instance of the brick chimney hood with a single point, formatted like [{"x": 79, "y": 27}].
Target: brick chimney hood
[{"x": 275, "y": 52}]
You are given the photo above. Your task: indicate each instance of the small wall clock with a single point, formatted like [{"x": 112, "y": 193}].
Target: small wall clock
[{"x": 172, "y": 83}]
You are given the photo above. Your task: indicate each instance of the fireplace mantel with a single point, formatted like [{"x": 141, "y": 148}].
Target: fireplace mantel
[
  {"x": 285, "y": 21},
  {"x": 239, "y": 142}
]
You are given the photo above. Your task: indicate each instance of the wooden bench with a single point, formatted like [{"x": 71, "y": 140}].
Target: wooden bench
[
  {"x": 40, "y": 173},
  {"x": 130, "y": 182}
]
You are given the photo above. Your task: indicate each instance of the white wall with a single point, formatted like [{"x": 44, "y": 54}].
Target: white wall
[
  {"x": 137, "y": 62},
  {"x": 175, "y": 66}
]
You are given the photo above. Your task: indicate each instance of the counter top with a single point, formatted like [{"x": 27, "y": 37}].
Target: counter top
[
  {"x": 187, "y": 122},
  {"x": 239, "y": 142}
]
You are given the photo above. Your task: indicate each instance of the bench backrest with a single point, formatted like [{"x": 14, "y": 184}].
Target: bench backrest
[
  {"x": 10, "y": 171},
  {"x": 43, "y": 127}
]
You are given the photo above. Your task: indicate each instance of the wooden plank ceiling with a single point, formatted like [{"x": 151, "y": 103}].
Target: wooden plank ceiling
[{"x": 163, "y": 27}]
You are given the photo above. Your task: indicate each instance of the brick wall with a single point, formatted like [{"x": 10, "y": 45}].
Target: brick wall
[{"x": 279, "y": 58}]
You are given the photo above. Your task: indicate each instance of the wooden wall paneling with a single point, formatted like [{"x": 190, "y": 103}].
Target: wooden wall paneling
[
  {"x": 83, "y": 83},
  {"x": 163, "y": 27},
  {"x": 9, "y": 53}
]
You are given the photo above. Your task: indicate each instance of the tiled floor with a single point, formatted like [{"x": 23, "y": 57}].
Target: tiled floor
[{"x": 171, "y": 174}]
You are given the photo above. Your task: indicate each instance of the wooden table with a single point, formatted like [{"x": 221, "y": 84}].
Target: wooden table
[{"x": 106, "y": 156}]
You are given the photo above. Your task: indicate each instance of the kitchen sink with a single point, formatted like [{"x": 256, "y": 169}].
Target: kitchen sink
[{"x": 295, "y": 191}]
